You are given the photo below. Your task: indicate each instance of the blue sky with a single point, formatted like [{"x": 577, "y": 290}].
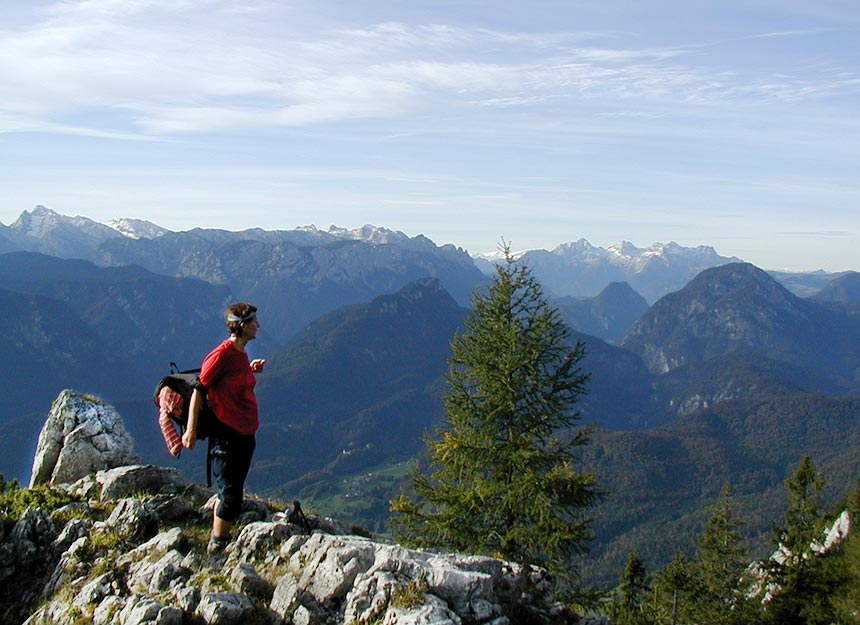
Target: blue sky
[{"x": 727, "y": 123}]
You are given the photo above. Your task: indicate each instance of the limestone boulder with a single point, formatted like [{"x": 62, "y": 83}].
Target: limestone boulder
[{"x": 82, "y": 434}]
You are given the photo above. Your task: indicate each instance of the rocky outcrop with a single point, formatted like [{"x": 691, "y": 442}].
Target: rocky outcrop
[
  {"x": 132, "y": 551},
  {"x": 81, "y": 436},
  {"x": 765, "y": 588}
]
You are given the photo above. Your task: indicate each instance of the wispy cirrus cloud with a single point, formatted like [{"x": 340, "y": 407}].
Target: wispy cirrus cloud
[
  {"x": 792, "y": 33},
  {"x": 165, "y": 67},
  {"x": 10, "y": 123}
]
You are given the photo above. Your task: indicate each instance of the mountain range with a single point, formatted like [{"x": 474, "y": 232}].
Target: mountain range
[
  {"x": 579, "y": 269},
  {"x": 726, "y": 375},
  {"x": 740, "y": 307},
  {"x": 609, "y": 315}
]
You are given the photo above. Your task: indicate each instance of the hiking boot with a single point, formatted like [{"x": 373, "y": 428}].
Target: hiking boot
[{"x": 217, "y": 544}]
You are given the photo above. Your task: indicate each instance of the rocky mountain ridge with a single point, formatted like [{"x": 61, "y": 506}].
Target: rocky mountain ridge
[
  {"x": 582, "y": 269},
  {"x": 47, "y": 232},
  {"x": 845, "y": 288},
  {"x": 740, "y": 307},
  {"x": 42, "y": 225},
  {"x": 574, "y": 269},
  {"x": 127, "y": 548},
  {"x": 296, "y": 275},
  {"x": 609, "y": 315},
  {"x": 136, "y": 228}
]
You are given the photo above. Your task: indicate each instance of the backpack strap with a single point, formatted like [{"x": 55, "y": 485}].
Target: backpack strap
[
  {"x": 174, "y": 368},
  {"x": 209, "y": 463}
]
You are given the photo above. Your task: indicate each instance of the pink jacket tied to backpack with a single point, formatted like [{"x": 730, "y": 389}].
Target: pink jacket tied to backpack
[{"x": 170, "y": 402}]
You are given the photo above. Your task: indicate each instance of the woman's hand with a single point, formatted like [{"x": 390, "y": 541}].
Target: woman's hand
[
  {"x": 189, "y": 438},
  {"x": 257, "y": 364}
]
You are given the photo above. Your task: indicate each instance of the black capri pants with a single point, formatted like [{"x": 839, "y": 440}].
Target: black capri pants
[{"x": 231, "y": 455}]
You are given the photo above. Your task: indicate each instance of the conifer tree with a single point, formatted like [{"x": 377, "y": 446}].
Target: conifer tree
[
  {"x": 634, "y": 590},
  {"x": 803, "y": 522},
  {"x": 845, "y": 567},
  {"x": 719, "y": 566},
  {"x": 502, "y": 476},
  {"x": 677, "y": 590},
  {"x": 797, "y": 574}
]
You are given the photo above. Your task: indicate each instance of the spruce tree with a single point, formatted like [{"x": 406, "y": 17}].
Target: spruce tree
[
  {"x": 719, "y": 566},
  {"x": 797, "y": 574},
  {"x": 803, "y": 521},
  {"x": 845, "y": 567},
  {"x": 634, "y": 589},
  {"x": 502, "y": 475},
  {"x": 677, "y": 590}
]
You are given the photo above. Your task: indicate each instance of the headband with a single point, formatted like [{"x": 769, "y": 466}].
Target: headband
[{"x": 234, "y": 318}]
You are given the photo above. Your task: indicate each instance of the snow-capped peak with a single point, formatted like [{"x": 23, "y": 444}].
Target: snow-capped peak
[
  {"x": 368, "y": 233},
  {"x": 580, "y": 269},
  {"x": 575, "y": 247},
  {"x": 34, "y": 222},
  {"x": 42, "y": 222},
  {"x": 497, "y": 256},
  {"x": 136, "y": 228},
  {"x": 625, "y": 248}
]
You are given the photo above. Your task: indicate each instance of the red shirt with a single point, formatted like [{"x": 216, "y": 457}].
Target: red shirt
[{"x": 226, "y": 374}]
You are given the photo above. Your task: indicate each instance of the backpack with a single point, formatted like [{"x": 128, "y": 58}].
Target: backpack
[{"x": 172, "y": 396}]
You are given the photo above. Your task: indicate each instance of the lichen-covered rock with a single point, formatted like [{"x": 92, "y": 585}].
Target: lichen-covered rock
[
  {"x": 172, "y": 507},
  {"x": 110, "y": 564},
  {"x": 119, "y": 482},
  {"x": 27, "y": 558},
  {"x": 69, "y": 565},
  {"x": 274, "y": 576},
  {"x": 107, "y": 611},
  {"x": 73, "y": 530},
  {"x": 371, "y": 595},
  {"x": 433, "y": 611},
  {"x": 95, "y": 591},
  {"x": 82, "y": 435},
  {"x": 303, "y": 616},
  {"x": 158, "y": 576},
  {"x": 259, "y": 541},
  {"x": 145, "y": 610},
  {"x": 285, "y": 598},
  {"x": 225, "y": 608},
  {"x": 330, "y": 565},
  {"x": 130, "y": 520},
  {"x": 354, "y": 579},
  {"x": 158, "y": 545},
  {"x": 55, "y": 613},
  {"x": 247, "y": 581},
  {"x": 188, "y": 598},
  {"x": 29, "y": 537}
]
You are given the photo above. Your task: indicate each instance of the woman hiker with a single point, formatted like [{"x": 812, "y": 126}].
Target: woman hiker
[{"x": 227, "y": 375}]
